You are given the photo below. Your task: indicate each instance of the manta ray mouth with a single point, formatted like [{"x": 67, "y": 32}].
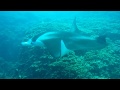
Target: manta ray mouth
[{"x": 28, "y": 43}]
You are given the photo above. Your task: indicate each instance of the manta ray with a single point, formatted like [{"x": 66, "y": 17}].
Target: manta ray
[{"x": 60, "y": 43}]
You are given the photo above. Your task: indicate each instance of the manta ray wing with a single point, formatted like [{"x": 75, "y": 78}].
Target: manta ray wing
[
  {"x": 53, "y": 46},
  {"x": 56, "y": 47}
]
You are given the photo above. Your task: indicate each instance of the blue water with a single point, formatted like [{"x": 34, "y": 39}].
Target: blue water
[{"x": 17, "y": 26}]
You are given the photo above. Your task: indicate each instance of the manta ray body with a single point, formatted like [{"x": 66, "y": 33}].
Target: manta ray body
[{"x": 60, "y": 43}]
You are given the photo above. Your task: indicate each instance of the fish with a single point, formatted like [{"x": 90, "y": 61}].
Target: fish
[{"x": 60, "y": 43}]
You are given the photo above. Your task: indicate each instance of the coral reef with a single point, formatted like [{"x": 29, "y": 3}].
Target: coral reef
[
  {"x": 37, "y": 63},
  {"x": 94, "y": 64}
]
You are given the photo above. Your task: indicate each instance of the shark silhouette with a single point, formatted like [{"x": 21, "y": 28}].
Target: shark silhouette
[{"x": 60, "y": 43}]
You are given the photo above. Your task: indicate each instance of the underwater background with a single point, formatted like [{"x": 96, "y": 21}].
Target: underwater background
[{"x": 18, "y": 62}]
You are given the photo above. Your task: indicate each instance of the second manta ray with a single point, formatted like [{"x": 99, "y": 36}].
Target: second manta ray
[{"x": 62, "y": 42}]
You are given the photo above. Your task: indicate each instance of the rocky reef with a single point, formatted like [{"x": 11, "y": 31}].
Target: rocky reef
[
  {"x": 37, "y": 63},
  {"x": 95, "y": 64}
]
